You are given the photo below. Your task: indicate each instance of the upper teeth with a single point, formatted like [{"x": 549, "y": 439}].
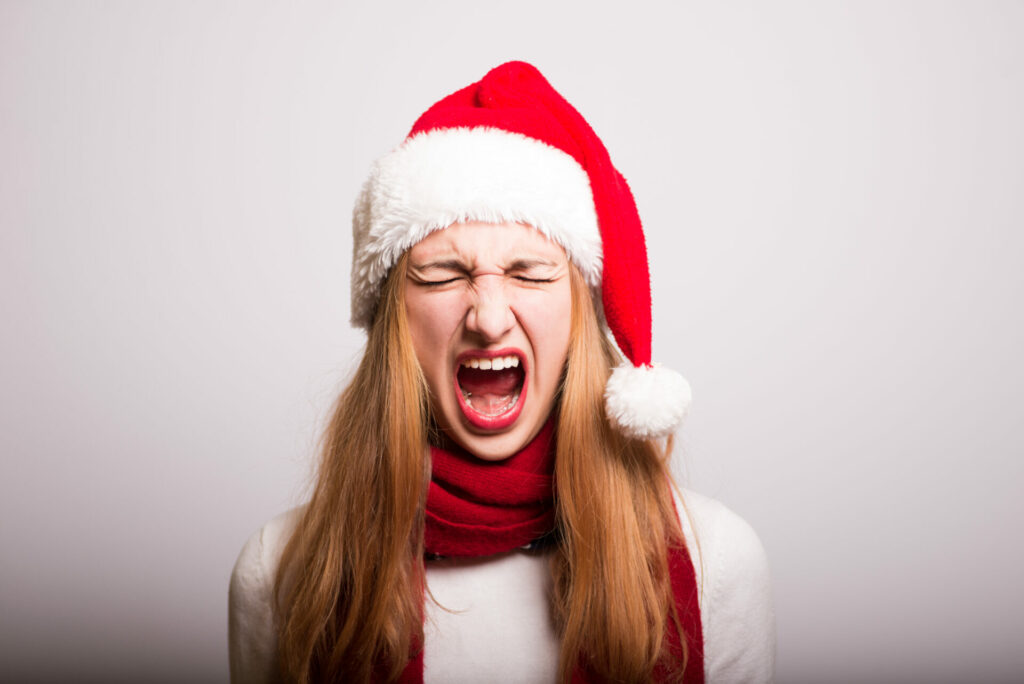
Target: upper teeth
[{"x": 497, "y": 363}]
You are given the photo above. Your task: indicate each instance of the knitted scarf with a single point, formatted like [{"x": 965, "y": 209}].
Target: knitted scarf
[{"x": 479, "y": 508}]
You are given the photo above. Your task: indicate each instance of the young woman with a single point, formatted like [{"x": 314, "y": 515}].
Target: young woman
[{"x": 494, "y": 502}]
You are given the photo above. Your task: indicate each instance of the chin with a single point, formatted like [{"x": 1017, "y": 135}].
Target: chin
[
  {"x": 491, "y": 445},
  {"x": 496, "y": 447}
]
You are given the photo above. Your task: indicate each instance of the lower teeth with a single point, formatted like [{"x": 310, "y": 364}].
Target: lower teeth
[{"x": 491, "y": 410}]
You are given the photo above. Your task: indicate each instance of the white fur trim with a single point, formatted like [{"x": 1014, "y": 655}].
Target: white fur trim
[
  {"x": 447, "y": 176},
  {"x": 646, "y": 402}
]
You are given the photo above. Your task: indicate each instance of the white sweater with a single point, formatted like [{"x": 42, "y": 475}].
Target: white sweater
[{"x": 495, "y": 624}]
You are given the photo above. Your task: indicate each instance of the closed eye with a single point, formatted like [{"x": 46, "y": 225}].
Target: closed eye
[
  {"x": 524, "y": 279},
  {"x": 432, "y": 283}
]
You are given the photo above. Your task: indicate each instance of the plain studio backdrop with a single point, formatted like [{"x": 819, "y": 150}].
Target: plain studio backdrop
[{"x": 832, "y": 194}]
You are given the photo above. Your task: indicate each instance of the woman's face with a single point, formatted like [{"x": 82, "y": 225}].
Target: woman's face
[{"x": 489, "y": 313}]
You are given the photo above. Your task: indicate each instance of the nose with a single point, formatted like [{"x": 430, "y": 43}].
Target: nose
[{"x": 490, "y": 315}]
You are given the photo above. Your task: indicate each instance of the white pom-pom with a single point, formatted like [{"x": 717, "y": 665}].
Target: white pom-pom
[{"x": 646, "y": 402}]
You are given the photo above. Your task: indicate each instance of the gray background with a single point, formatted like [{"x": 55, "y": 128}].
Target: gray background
[{"x": 832, "y": 194}]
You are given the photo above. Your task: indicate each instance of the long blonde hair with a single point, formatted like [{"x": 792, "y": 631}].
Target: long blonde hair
[{"x": 351, "y": 582}]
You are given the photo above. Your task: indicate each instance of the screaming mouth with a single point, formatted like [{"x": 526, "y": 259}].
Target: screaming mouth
[{"x": 490, "y": 389}]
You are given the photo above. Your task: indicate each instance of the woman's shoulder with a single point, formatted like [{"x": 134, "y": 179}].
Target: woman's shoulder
[
  {"x": 260, "y": 554},
  {"x": 721, "y": 535},
  {"x": 735, "y": 590},
  {"x": 252, "y": 632}
]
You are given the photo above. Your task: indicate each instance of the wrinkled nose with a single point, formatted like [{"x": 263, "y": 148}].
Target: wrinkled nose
[{"x": 490, "y": 315}]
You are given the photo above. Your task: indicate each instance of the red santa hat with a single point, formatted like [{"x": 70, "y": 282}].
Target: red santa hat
[{"x": 510, "y": 148}]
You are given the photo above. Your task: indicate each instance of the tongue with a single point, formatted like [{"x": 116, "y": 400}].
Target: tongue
[
  {"x": 490, "y": 391},
  {"x": 477, "y": 381}
]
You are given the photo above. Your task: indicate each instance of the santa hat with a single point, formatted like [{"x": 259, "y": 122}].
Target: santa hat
[{"x": 509, "y": 148}]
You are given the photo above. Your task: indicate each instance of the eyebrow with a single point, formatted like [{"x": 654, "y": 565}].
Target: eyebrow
[
  {"x": 447, "y": 264},
  {"x": 527, "y": 264}
]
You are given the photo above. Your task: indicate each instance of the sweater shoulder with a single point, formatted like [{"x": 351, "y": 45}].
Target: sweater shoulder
[
  {"x": 263, "y": 549},
  {"x": 724, "y": 541},
  {"x": 252, "y": 628},
  {"x": 737, "y": 611}
]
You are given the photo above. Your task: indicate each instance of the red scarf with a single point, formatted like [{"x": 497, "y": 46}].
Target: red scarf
[{"x": 479, "y": 508}]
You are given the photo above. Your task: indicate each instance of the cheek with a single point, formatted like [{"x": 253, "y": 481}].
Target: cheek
[
  {"x": 433, "y": 320},
  {"x": 548, "y": 321}
]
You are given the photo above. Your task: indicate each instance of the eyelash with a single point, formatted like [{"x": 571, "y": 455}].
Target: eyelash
[{"x": 524, "y": 279}]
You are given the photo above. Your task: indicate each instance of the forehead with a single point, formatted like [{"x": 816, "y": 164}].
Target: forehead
[{"x": 484, "y": 243}]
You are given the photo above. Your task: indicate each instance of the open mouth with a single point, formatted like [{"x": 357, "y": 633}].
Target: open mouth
[{"x": 491, "y": 387}]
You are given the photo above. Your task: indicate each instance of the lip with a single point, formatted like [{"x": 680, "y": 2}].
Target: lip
[{"x": 506, "y": 419}]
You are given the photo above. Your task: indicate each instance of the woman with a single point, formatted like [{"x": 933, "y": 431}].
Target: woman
[{"x": 493, "y": 501}]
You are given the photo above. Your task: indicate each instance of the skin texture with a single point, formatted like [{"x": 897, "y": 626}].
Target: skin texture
[{"x": 476, "y": 287}]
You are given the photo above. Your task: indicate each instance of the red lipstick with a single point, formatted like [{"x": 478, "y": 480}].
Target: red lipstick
[{"x": 477, "y": 418}]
